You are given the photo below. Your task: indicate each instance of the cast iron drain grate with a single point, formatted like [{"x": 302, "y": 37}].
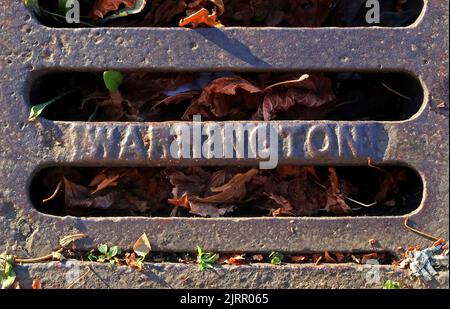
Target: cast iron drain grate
[{"x": 415, "y": 56}]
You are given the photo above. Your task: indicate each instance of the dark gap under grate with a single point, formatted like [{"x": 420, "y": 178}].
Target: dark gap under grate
[
  {"x": 227, "y": 191},
  {"x": 159, "y": 96},
  {"x": 238, "y": 13}
]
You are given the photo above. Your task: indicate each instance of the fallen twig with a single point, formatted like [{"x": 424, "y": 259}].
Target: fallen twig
[
  {"x": 419, "y": 232},
  {"x": 396, "y": 92},
  {"x": 302, "y": 78},
  {"x": 64, "y": 242},
  {"x": 54, "y": 193}
]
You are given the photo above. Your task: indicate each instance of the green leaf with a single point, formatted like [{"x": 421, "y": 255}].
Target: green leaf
[
  {"x": 113, "y": 80},
  {"x": 103, "y": 249},
  {"x": 276, "y": 258},
  {"x": 137, "y": 8},
  {"x": 391, "y": 285},
  {"x": 62, "y": 6},
  {"x": 37, "y": 110},
  {"x": 7, "y": 274},
  {"x": 113, "y": 251},
  {"x": 205, "y": 260},
  {"x": 91, "y": 257},
  {"x": 33, "y": 5}
]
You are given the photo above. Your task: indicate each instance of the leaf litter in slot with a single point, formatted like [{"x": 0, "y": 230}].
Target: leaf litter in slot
[
  {"x": 288, "y": 191},
  {"x": 153, "y": 96},
  {"x": 219, "y": 13}
]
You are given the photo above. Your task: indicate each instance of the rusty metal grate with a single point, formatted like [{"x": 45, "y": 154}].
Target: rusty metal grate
[{"x": 420, "y": 142}]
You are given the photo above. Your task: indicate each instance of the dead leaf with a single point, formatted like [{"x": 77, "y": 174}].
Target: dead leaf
[
  {"x": 299, "y": 259},
  {"x": 209, "y": 210},
  {"x": 73, "y": 191},
  {"x": 314, "y": 93},
  {"x": 390, "y": 185},
  {"x": 201, "y": 17},
  {"x": 335, "y": 202},
  {"x": 236, "y": 260},
  {"x": 340, "y": 258},
  {"x": 286, "y": 209},
  {"x": 36, "y": 285},
  {"x": 224, "y": 97},
  {"x": 142, "y": 246},
  {"x": 103, "y": 7},
  {"x": 371, "y": 256},
  {"x": 308, "y": 13},
  {"x": 132, "y": 261},
  {"x": 233, "y": 191},
  {"x": 182, "y": 202},
  {"x": 328, "y": 258},
  {"x": 110, "y": 181},
  {"x": 258, "y": 257}
]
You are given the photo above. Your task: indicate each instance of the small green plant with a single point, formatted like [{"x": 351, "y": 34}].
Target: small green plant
[
  {"x": 391, "y": 285},
  {"x": 37, "y": 110},
  {"x": 205, "y": 260},
  {"x": 113, "y": 80},
  {"x": 7, "y": 274},
  {"x": 106, "y": 254},
  {"x": 276, "y": 258},
  {"x": 62, "y": 7}
]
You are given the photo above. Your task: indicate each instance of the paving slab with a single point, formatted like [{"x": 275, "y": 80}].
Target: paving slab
[{"x": 182, "y": 276}]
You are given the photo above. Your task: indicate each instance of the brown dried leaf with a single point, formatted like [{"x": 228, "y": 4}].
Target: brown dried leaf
[
  {"x": 257, "y": 258},
  {"x": 286, "y": 209},
  {"x": 335, "y": 202},
  {"x": 73, "y": 191},
  {"x": 299, "y": 259},
  {"x": 311, "y": 94},
  {"x": 182, "y": 202},
  {"x": 225, "y": 96},
  {"x": 340, "y": 258},
  {"x": 201, "y": 17},
  {"x": 103, "y": 7},
  {"x": 131, "y": 261},
  {"x": 236, "y": 260},
  {"x": 371, "y": 256},
  {"x": 109, "y": 181},
  {"x": 36, "y": 285},
  {"x": 308, "y": 13},
  {"x": 328, "y": 258},
  {"x": 390, "y": 184},
  {"x": 233, "y": 191},
  {"x": 209, "y": 210}
]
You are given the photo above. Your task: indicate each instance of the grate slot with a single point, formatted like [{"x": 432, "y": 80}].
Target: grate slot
[
  {"x": 285, "y": 192},
  {"x": 158, "y": 97},
  {"x": 324, "y": 13}
]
